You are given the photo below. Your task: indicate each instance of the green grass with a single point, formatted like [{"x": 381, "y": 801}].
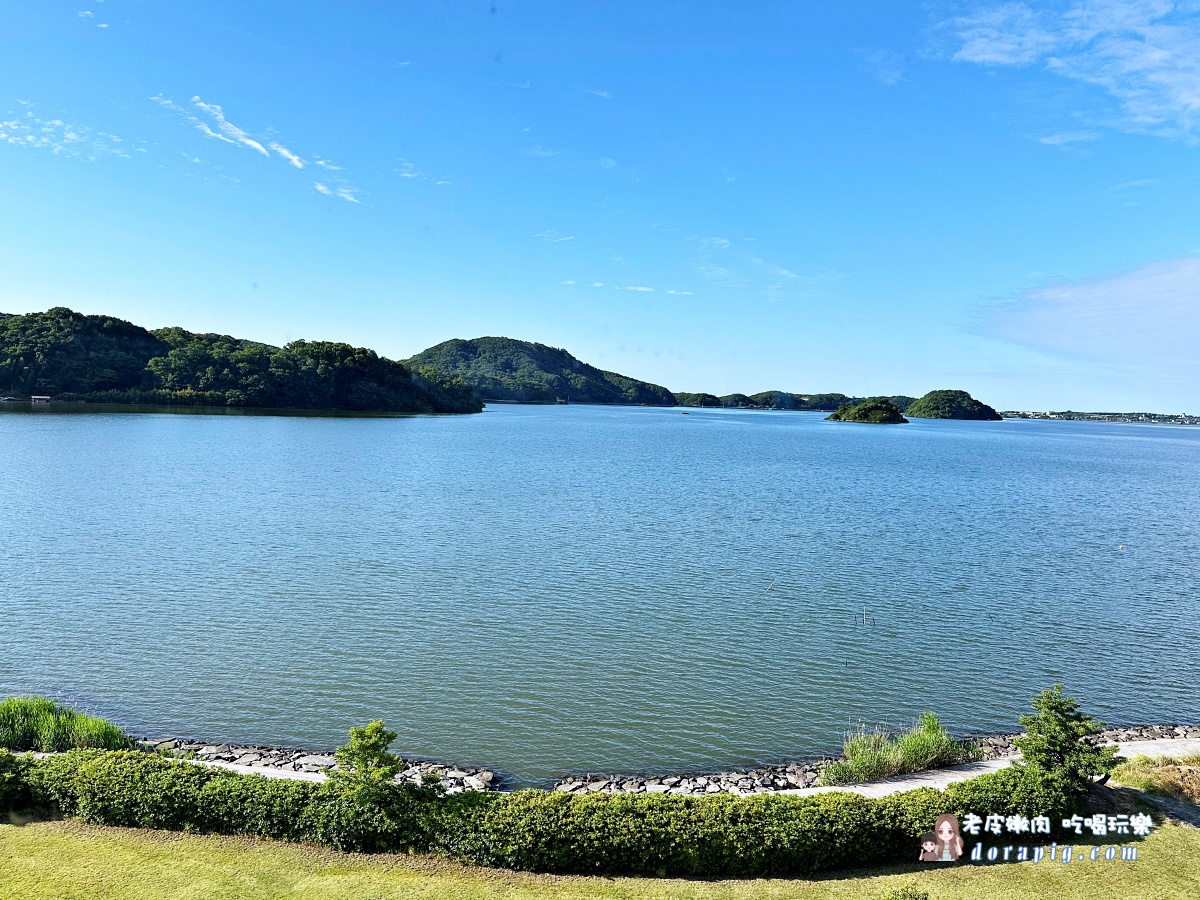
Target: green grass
[
  {"x": 880, "y": 754},
  {"x": 66, "y": 860},
  {"x": 36, "y": 723},
  {"x": 1162, "y": 775}
]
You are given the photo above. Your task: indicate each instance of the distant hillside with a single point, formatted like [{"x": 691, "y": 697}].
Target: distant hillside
[
  {"x": 70, "y": 356},
  {"x": 952, "y": 405},
  {"x": 872, "y": 411},
  {"x": 501, "y": 368},
  {"x": 781, "y": 400}
]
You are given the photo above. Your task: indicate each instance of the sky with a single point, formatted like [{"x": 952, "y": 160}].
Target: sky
[{"x": 865, "y": 197}]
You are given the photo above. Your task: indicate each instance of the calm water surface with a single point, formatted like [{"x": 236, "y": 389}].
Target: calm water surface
[{"x": 553, "y": 589}]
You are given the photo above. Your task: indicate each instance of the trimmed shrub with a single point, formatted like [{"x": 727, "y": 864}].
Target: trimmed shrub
[
  {"x": 14, "y": 781},
  {"x": 38, "y": 723}
]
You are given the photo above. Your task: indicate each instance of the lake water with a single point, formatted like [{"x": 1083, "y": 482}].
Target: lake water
[{"x": 554, "y": 589}]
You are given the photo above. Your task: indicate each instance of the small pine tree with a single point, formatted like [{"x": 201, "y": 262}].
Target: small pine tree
[
  {"x": 1055, "y": 742},
  {"x": 366, "y": 758}
]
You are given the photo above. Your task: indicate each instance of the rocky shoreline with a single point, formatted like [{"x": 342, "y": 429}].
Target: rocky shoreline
[
  {"x": 453, "y": 779},
  {"x": 456, "y": 779}
]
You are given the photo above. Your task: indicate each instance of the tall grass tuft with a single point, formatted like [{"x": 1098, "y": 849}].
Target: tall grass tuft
[
  {"x": 37, "y": 723},
  {"x": 879, "y": 753}
]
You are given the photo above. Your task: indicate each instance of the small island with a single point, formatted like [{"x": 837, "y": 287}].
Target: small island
[
  {"x": 872, "y": 411},
  {"x": 952, "y": 405}
]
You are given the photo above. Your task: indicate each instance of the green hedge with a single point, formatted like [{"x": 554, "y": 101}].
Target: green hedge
[{"x": 722, "y": 836}]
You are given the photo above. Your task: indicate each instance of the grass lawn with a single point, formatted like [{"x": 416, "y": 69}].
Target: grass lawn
[{"x": 60, "y": 860}]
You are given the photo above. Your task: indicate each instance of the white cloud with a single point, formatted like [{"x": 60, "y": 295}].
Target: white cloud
[
  {"x": 59, "y": 137},
  {"x": 597, "y": 284},
  {"x": 553, "y": 237},
  {"x": 680, "y": 293},
  {"x": 642, "y": 288},
  {"x": 604, "y": 94},
  {"x": 1069, "y": 137},
  {"x": 1148, "y": 318},
  {"x": 288, "y": 155},
  {"x": 1008, "y": 34},
  {"x": 568, "y": 281},
  {"x": 228, "y": 133},
  {"x": 542, "y": 151},
  {"x": 408, "y": 170},
  {"x": 444, "y": 181},
  {"x": 86, "y": 14},
  {"x": 1145, "y": 54},
  {"x": 231, "y": 132}
]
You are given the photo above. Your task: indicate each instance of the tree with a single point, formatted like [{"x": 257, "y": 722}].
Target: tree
[
  {"x": 1056, "y": 742},
  {"x": 366, "y": 759}
]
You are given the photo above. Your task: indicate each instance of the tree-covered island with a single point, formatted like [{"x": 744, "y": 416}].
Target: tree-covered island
[
  {"x": 949, "y": 404},
  {"x": 872, "y": 411}
]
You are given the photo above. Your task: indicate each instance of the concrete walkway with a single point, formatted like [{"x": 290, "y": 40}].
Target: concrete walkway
[
  {"x": 934, "y": 778},
  {"x": 940, "y": 778}
]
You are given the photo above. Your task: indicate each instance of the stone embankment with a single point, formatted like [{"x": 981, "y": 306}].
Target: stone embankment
[
  {"x": 770, "y": 779},
  {"x": 765, "y": 779},
  {"x": 455, "y": 780}
]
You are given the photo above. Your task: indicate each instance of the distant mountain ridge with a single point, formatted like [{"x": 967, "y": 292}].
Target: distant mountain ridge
[
  {"x": 501, "y": 368},
  {"x": 782, "y": 400}
]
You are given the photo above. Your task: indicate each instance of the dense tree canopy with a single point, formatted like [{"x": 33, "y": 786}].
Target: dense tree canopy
[
  {"x": 506, "y": 369},
  {"x": 703, "y": 400},
  {"x": 71, "y": 356},
  {"x": 873, "y": 411},
  {"x": 951, "y": 404}
]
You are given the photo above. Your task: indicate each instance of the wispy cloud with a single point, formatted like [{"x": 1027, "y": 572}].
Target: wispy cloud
[
  {"x": 680, "y": 293},
  {"x": 1145, "y": 54},
  {"x": 1147, "y": 318},
  {"x": 539, "y": 150},
  {"x": 86, "y": 14},
  {"x": 731, "y": 266},
  {"x": 642, "y": 288},
  {"x": 568, "y": 281},
  {"x": 553, "y": 237},
  {"x": 407, "y": 170},
  {"x": 603, "y": 94},
  {"x": 885, "y": 66},
  {"x": 1069, "y": 137},
  {"x": 227, "y": 129},
  {"x": 288, "y": 155},
  {"x": 608, "y": 163},
  {"x": 29, "y": 130},
  {"x": 209, "y": 119}
]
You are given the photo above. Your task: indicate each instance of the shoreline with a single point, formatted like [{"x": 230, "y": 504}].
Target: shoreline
[{"x": 788, "y": 776}]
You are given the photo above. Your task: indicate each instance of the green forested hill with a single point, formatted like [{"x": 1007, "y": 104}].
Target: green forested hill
[
  {"x": 952, "y": 405},
  {"x": 71, "y": 356},
  {"x": 506, "y": 369}
]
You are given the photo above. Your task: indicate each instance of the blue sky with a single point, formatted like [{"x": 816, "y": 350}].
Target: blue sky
[{"x": 862, "y": 197}]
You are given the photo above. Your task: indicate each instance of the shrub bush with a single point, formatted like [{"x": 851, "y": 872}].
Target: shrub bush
[
  {"x": 721, "y": 836},
  {"x": 37, "y": 723},
  {"x": 14, "y": 781}
]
